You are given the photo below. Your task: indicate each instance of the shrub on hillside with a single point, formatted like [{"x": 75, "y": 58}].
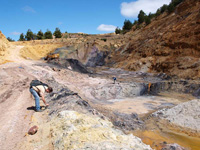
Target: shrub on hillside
[
  {"x": 66, "y": 36},
  {"x": 104, "y": 40},
  {"x": 10, "y": 40},
  {"x": 118, "y": 30},
  {"x": 127, "y": 26}
]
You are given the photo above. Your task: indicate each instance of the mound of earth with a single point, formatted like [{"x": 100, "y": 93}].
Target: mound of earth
[
  {"x": 37, "y": 51},
  {"x": 185, "y": 116}
]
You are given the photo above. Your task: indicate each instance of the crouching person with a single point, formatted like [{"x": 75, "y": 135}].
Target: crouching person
[{"x": 37, "y": 89}]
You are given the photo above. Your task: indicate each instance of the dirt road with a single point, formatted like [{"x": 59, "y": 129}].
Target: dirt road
[{"x": 15, "y": 98}]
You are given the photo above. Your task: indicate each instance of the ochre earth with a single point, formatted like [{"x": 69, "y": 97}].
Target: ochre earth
[{"x": 170, "y": 44}]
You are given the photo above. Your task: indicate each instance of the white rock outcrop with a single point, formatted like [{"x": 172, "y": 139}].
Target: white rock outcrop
[
  {"x": 186, "y": 115},
  {"x": 74, "y": 131}
]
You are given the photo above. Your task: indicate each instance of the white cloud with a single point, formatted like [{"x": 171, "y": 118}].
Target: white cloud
[
  {"x": 108, "y": 28},
  {"x": 132, "y": 9},
  {"x": 60, "y": 23},
  {"x": 15, "y": 33},
  {"x": 28, "y": 9}
]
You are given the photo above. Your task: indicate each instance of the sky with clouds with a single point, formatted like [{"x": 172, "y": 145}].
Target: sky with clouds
[{"x": 91, "y": 16}]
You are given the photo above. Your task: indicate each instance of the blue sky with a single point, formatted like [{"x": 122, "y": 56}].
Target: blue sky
[{"x": 87, "y": 16}]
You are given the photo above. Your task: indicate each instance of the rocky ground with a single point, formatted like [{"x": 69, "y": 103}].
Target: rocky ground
[
  {"x": 184, "y": 116},
  {"x": 94, "y": 105},
  {"x": 157, "y": 102},
  {"x": 68, "y": 113},
  {"x": 169, "y": 44}
]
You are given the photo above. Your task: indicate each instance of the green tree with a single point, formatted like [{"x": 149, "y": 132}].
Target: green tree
[
  {"x": 35, "y": 36},
  {"x": 10, "y": 40},
  {"x": 147, "y": 20},
  {"x": 172, "y": 5},
  {"x": 141, "y": 17},
  {"x": 135, "y": 22},
  {"x": 118, "y": 30},
  {"x": 29, "y": 35},
  {"x": 163, "y": 8},
  {"x": 158, "y": 12},
  {"x": 151, "y": 15},
  {"x": 40, "y": 35},
  {"x": 21, "y": 37},
  {"x": 176, "y": 2},
  {"x": 57, "y": 33},
  {"x": 48, "y": 35},
  {"x": 170, "y": 8},
  {"x": 127, "y": 26}
]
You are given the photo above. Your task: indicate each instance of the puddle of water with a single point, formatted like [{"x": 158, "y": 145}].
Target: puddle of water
[
  {"x": 141, "y": 104},
  {"x": 156, "y": 138}
]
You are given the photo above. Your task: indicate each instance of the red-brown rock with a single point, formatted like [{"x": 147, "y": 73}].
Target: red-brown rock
[{"x": 32, "y": 130}]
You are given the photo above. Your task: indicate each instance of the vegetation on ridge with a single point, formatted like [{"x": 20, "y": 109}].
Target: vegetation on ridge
[
  {"x": 40, "y": 35},
  {"x": 143, "y": 18}
]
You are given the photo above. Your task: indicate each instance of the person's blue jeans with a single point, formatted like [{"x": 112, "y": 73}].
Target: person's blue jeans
[{"x": 37, "y": 98}]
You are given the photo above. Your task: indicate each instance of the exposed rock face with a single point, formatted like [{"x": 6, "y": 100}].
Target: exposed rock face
[
  {"x": 185, "y": 115},
  {"x": 96, "y": 58},
  {"x": 72, "y": 130},
  {"x": 169, "y": 44},
  {"x": 114, "y": 91},
  {"x": 72, "y": 64}
]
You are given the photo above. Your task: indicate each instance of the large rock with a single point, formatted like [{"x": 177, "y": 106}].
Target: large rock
[{"x": 33, "y": 130}]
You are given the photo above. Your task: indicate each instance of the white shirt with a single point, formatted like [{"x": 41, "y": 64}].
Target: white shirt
[{"x": 40, "y": 89}]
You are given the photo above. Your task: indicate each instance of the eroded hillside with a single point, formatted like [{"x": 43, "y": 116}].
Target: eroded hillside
[
  {"x": 3, "y": 48},
  {"x": 170, "y": 44}
]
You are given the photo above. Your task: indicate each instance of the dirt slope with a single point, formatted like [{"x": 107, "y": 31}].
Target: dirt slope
[
  {"x": 4, "y": 44},
  {"x": 170, "y": 44}
]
